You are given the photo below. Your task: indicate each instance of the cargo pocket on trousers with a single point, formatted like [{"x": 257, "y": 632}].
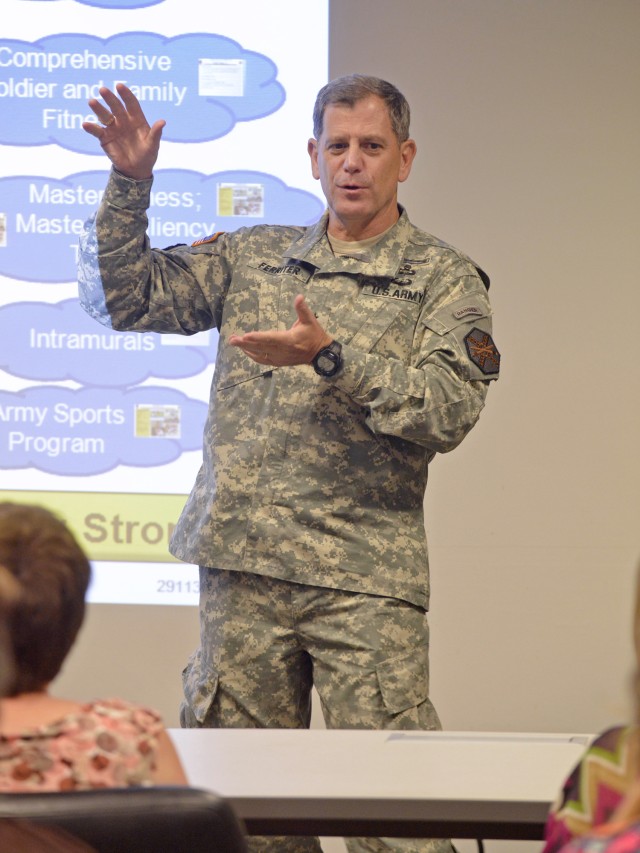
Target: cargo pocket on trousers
[
  {"x": 404, "y": 681},
  {"x": 199, "y": 686}
]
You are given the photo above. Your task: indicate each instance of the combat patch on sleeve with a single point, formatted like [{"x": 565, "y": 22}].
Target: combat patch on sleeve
[
  {"x": 210, "y": 239},
  {"x": 482, "y": 351}
]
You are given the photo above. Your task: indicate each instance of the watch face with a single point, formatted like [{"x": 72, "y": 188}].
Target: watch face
[
  {"x": 329, "y": 360},
  {"x": 325, "y": 363}
]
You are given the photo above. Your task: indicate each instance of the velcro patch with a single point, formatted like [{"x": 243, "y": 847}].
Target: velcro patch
[
  {"x": 467, "y": 311},
  {"x": 210, "y": 239},
  {"x": 482, "y": 351},
  {"x": 392, "y": 291}
]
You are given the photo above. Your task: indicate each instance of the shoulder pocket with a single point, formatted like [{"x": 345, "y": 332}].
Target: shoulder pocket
[
  {"x": 467, "y": 322},
  {"x": 462, "y": 312}
]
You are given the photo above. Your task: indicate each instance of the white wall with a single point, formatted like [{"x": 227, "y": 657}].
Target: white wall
[{"x": 527, "y": 122}]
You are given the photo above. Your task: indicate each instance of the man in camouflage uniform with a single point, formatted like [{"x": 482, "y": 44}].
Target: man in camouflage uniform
[{"x": 351, "y": 352}]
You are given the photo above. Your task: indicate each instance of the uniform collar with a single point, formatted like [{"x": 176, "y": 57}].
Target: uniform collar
[{"x": 383, "y": 259}]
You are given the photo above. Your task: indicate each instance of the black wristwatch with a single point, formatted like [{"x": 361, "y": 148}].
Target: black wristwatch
[{"x": 329, "y": 360}]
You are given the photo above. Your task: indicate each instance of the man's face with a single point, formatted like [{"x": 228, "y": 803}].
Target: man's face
[{"x": 359, "y": 163}]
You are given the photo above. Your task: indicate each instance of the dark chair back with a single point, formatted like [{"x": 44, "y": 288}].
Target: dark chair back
[{"x": 161, "y": 819}]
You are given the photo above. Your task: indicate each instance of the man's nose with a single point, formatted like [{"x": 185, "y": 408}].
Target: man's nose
[{"x": 353, "y": 158}]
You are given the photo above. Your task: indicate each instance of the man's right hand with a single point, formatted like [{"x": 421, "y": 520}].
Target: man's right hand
[{"x": 124, "y": 132}]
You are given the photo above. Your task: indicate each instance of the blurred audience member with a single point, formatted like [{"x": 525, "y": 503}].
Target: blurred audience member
[
  {"x": 19, "y": 836},
  {"x": 48, "y": 743},
  {"x": 599, "y": 806}
]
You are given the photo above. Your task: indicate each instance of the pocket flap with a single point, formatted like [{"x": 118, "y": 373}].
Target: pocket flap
[
  {"x": 199, "y": 686},
  {"x": 404, "y": 681},
  {"x": 469, "y": 310}
]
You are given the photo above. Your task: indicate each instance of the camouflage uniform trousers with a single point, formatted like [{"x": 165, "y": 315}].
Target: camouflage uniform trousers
[{"x": 265, "y": 642}]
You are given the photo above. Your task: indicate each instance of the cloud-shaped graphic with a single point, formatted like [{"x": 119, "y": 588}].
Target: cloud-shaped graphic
[
  {"x": 56, "y": 342},
  {"x": 44, "y": 217},
  {"x": 201, "y": 84},
  {"x": 43, "y": 222},
  {"x": 112, "y": 4},
  {"x": 120, "y": 4},
  {"x": 93, "y": 430}
]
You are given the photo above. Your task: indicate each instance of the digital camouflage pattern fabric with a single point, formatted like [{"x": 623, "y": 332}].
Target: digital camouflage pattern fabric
[
  {"x": 266, "y": 642},
  {"x": 312, "y": 480}
]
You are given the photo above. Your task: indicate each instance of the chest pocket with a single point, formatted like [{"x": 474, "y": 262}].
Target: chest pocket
[
  {"x": 376, "y": 324},
  {"x": 259, "y": 299}
]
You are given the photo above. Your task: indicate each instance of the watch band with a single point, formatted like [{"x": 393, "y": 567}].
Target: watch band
[{"x": 328, "y": 361}]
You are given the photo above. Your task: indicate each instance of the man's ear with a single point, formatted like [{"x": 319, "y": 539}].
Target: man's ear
[
  {"x": 312, "y": 148},
  {"x": 408, "y": 151}
]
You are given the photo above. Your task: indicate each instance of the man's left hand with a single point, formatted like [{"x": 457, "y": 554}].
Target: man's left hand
[{"x": 298, "y": 345}]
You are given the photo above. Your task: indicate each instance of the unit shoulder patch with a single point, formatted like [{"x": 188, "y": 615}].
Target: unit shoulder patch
[{"x": 482, "y": 351}]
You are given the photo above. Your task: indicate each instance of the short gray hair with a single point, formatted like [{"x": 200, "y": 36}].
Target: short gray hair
[{"x": 356, "y": 87}]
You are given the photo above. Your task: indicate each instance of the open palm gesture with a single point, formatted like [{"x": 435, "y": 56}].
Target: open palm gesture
[{"x": 124, "y": 133}]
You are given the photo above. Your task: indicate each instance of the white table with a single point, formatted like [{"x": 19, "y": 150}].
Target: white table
[{"x": 430, "y": 784}]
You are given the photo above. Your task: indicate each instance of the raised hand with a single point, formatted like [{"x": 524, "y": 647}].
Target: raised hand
[
  {"x": 124, "y": 132},
  {"x": 298, "y": 345}
]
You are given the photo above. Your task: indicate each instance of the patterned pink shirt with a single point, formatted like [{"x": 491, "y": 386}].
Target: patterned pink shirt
[
  {"x": 108, "y": 743},
  {"x": 594, "y": 788}
]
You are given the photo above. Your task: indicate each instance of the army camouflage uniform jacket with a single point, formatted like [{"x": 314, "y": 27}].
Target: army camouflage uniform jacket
[{"x": 314, "y": 480}]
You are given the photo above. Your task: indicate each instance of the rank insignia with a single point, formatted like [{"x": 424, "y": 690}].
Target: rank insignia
[
  {"x": 482, "y": 351},
  {"x": 210, "y": 239}
]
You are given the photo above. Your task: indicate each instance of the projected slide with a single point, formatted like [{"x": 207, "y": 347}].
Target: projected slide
[{"x": 106, "y": 427}]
